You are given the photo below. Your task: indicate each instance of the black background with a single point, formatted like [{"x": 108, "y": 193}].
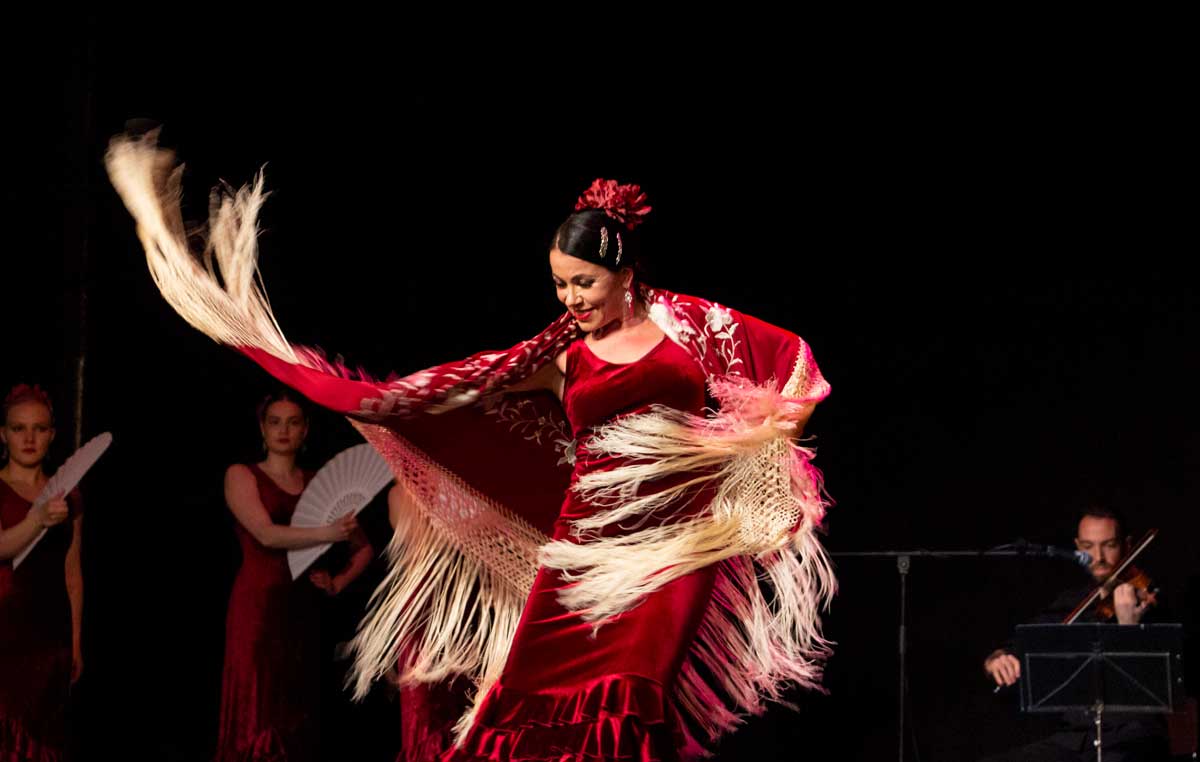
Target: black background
[{"x": 986, "y": 245}]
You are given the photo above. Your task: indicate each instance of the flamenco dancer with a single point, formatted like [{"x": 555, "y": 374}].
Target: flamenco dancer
[
  {"x": 577, "y": 537},
  {"x": 270, "y": 686},
  {"x": 41, "y": 601}
]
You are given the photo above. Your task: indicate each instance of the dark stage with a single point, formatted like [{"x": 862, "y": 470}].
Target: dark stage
[{"x": 988, "y": 260}]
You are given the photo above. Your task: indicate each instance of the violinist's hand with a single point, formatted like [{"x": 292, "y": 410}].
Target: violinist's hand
[
  {"x": 1129, "y": 609},
  {"x": 1003, "y": 667}
]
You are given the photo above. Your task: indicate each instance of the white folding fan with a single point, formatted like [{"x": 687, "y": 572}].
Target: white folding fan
[
  {"x": 345, "y": 484},
  {"x": 65, "y": 479}
]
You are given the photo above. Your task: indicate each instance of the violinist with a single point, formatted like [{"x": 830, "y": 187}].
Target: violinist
[{"x": 1134, "y": 599}]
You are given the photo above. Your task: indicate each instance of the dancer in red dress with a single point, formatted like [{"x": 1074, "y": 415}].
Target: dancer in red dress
[
  {"x": 270, "y": 692},
  {"x": 606, "y": 694},
  {"x": 41, "y": 601},
  {"x": 680, "y": 583}
]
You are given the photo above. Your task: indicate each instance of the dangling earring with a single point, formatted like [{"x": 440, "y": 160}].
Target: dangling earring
[{"x": 628, "y": 303}]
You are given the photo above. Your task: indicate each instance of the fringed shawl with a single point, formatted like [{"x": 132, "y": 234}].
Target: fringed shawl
[{"x": 485, "y": 473}]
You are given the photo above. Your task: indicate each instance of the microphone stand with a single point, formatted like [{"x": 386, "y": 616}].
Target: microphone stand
[{"x": 903, "y": 560}]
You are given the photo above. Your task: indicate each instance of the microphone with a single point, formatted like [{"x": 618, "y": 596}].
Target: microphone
[
  {"x": 1050, "y": 551},
  {"x": 1078, "y": 556}
]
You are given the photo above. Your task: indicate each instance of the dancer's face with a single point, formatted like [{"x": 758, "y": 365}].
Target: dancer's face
[
  {"x": 284, "y": 427},
  {"x": 28, "y": 432},
  {"x": 595, "y": 295}
]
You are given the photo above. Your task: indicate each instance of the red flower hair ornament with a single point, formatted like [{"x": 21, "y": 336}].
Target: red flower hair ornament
[
  {"x": 624, "y": 203},
  {"x": 26, "y": 393}
]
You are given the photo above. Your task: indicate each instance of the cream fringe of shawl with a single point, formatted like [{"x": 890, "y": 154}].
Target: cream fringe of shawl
[
  {"x": 462, "y": 565},
  {"x": 760, "y": 526},
  {"x": 218, "y": 293},
  {"x": 460, "y": 569}
]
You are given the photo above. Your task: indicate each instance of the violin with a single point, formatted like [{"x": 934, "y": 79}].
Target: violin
[
  {"x": 1126, "y": 572},
  {"x": 1143, "y": 586}
]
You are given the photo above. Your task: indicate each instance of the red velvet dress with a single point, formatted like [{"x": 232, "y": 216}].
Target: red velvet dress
[
  {"x": 270, "y": 692},
  {"x": 35, "y": 640},
  {"x": 428, "y": 713},
  {"x": 565, "y": 695}
]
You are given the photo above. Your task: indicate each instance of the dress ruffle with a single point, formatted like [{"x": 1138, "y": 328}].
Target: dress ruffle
[{"x": 617, "y": 717}]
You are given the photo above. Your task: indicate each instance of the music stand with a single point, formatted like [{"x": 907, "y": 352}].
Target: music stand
[{"x": 1101, "y": 668}]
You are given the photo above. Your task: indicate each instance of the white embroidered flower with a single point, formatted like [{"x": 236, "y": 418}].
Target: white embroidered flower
[
  {"x": 664, "y": 318},
  {"x": 567, "y": 448},
  {"x": 718, "y": 319}
]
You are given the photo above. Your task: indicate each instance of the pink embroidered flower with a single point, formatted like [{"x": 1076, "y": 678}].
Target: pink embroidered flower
[{"x": 624, "y": 203}]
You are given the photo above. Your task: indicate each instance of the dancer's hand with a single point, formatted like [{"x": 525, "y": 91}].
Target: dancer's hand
[
  {"x": 53, "y": 511},
  {"x": 342, "y": 529},
  {"x": 793, "y": 417},
  {"x": 76, "y": 665},
  {"x": 322, "y": 580}
]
